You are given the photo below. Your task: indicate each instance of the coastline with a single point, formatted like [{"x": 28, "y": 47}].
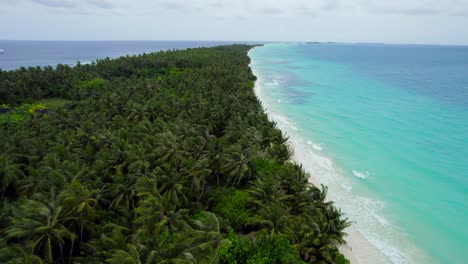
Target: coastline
[{"x": 358, "y": 249}]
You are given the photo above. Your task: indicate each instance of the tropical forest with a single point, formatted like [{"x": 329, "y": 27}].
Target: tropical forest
[{"x": 166, "y": 157}]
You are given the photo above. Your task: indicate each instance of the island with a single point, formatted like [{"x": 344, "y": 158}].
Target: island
[{"x": 166, "y": 157}]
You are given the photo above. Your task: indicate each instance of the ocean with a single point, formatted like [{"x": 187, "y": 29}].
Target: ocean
[
  {"x": 42, "y": 53},
  {"x": 385, "y": 127}
]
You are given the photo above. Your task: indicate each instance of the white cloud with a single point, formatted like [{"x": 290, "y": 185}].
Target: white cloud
[
  {"x": 56, "y": 3},
  {"x": 333, "y": 20},
  {"x": 416, "y": 7}
]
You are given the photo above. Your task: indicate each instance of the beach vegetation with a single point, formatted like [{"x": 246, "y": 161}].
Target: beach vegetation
[{"x": 165, "y": 157}]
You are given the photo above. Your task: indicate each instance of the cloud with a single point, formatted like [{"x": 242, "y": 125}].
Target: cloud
[
  {"x": 295, "y": 8},
  {"x": 194, "y": 7},
  {"x": 104, "y": 4},
  {"x": 56, "y": 3},
  {"x": 270, "y": 10},
  {"x": 267, "y": 7},
  {"x": 460, "y": 13},
  {"x": 410, "y": 21},
  {"x": 77, "y": 4},
  {"x": 331, "y": 5},
  {"x": 415, "y": 7},
  {"x": 418, "y": 11},
  {"x": 217, "y": 4},
  {"x": 173, "y": 5}
]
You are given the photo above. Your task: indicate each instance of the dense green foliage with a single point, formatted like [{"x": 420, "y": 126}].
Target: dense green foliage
[
  {"x": 159, "y": 158},
  {"x": 53, "y": 102}
]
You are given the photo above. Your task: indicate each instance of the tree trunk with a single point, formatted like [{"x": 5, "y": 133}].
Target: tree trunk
[
  {"x": 71, "y": 251},
  {"x": 202, "y": 191},
  {"x": 49, "y": 250},
  {"x": 81, "y": 230},
  {"x": 61, "y": 253}
]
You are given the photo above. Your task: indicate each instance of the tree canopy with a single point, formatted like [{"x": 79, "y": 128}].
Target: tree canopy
[{"x": 165, "y": 157}]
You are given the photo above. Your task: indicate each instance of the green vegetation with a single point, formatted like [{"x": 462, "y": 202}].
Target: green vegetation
[
  {"x": 159, "y": 158},
  {"x": 12, "y": 118},
  {"x": 53, "y": 103}
]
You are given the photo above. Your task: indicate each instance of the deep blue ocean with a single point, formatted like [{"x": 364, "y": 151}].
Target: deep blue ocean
[
  {"x": 42, "y": 53},
  {"x": 386, "y": 128}
]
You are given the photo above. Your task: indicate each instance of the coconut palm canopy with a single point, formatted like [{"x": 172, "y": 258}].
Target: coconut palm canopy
[{"x": 159, "y": 158}]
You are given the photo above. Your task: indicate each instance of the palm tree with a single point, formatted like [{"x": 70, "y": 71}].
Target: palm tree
[
  {"x": 156, "y": 223},
  {"x": 294, "y": 179},
  {"x": 205, "y": 239},
  {"x": 274, "y": 217},
  {"x": 128, "y": 256},
  {"x": 40, "y": 226},
  {"x": 236, "y": 165},
  {"x": 264, "y": 190},
  {"x": 10, "y": 173},
  {"x": 172, "y": 186},
  {"x": 156, "y": 211},
  {"x": 171, "y": 151},
  {"x": 51, "y": 166},
  {"x": 35, "y": 181},
  {"x": 280, "y": 152},
  {"x": 214, "y": 154},
  {"x": 138, "y": 112},
  {"x": 235, "y": 129},
  {"x": 17, "y": 254},
  {"x": 295, "y": 183},
  {"x": 336, "y": 224},
  {"x": 111, "y": 237},
  {"x": 139, "y": 160},
  {"x": 197, "y": 171},
  {"x": 80, "y": 203},
  {"x": 121, "y": 191}
]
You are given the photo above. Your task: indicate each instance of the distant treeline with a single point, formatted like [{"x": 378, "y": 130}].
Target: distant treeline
[
  {"x": 159, "y": 158},
  {"x": 32, "y": 83}
]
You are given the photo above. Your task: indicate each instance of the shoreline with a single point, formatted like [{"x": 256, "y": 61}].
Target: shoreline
[{"x": 357, "y": 249}]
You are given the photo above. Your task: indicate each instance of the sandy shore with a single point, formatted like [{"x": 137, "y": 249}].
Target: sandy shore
[{"x": 358, "y": 249}]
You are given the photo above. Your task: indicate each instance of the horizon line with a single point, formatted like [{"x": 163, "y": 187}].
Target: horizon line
[{"x": 237, "y": 41}]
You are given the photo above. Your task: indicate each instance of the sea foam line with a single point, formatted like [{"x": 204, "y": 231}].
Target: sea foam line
[
  {"x": 361, "y": 175},
  {"x": 363, "y": 210}
]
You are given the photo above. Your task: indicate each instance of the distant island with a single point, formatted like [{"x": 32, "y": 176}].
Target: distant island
[
  {"x": 317, "y": 42},
  {"x": 158, "y": 158}
]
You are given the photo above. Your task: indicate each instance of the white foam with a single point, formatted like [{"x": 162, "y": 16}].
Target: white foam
[
  {"x": 283, "y": 122},
  {"x": 362, "y": 175},
  {"x": 317, "y": 147},
  {"x": 279, "y": 101},
  {"x": 372, "y": 207},
  {"x": 346, "y": 187}
]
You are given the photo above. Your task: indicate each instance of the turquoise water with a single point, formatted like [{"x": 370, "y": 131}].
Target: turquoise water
[{"x": 386, "y": 128}]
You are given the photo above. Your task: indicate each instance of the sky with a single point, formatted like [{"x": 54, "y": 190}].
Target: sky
[{"x": 381, "y": 21}]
